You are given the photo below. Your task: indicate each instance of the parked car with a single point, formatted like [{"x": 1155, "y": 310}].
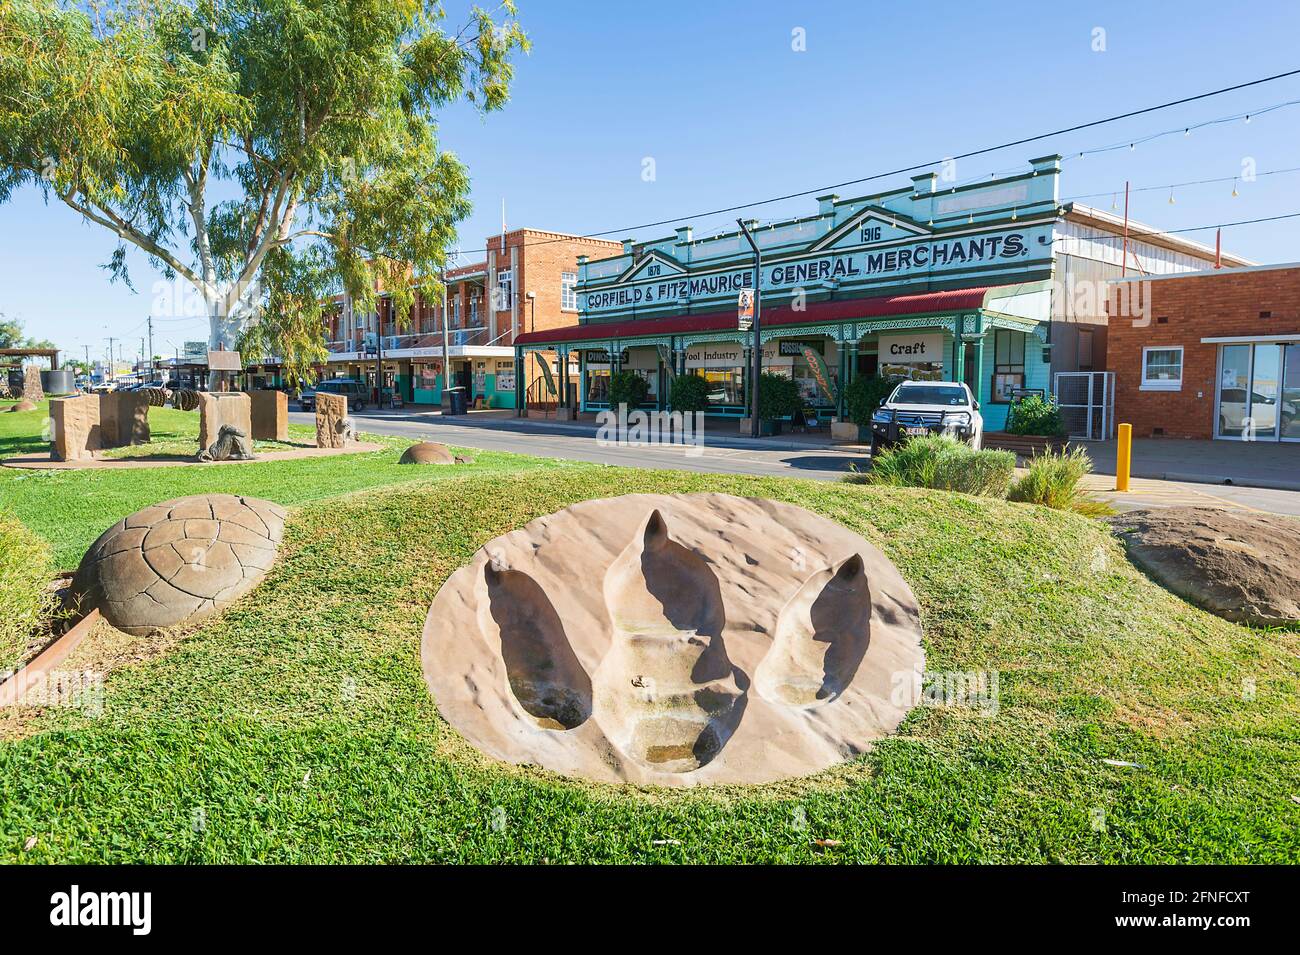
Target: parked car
[
  {"x": 927, "y": 407},
  {"x": 355, "y": 391}
]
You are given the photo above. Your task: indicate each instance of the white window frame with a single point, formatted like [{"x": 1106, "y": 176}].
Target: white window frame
[
  {"x": 568, "y": 291},
  {"x": 1161, "y": 384},
  {"x": 506, "y": 289}
]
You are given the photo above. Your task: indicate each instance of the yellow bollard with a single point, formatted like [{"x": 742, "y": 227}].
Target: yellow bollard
[{"x": 1123, "y": 457}]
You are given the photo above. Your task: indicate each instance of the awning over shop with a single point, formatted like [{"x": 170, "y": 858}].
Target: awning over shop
[{"x": 779, "y": 316}]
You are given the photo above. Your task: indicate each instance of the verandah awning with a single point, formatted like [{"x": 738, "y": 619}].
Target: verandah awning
[{"x": 780, "y": 316}]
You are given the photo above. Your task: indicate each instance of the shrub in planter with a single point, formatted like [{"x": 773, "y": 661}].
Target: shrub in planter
[
  {"x": 864, "y": 394},
  {"x": 778, "y": 396},
  {"x": 627, "y": 388},
  {"x": 1053, "y": 481},
  {"x": 944, "y": 463},
  {"x": 25, "y": 600},
  {"x": 689, "y": 393},
  {"x": 1035, "y": 415}
]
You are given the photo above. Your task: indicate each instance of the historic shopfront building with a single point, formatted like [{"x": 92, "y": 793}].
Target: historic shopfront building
[{"x": 972, "y": 283}]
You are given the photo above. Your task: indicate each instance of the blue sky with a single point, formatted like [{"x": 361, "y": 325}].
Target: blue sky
[{"x": 715, "y": 94}]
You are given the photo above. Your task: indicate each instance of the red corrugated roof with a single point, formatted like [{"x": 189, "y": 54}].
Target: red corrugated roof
[{"x": 952, "y": 300}]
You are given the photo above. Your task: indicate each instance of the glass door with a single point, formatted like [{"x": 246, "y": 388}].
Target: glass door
[
  {"x": 1234, "y": 385},
  {"x": 1265, "y": 386},
  {"x": 1289, "y": 406}
]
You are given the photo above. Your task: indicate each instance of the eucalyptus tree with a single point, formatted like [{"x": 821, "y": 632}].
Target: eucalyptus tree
[{"x": 265, "y": 152}]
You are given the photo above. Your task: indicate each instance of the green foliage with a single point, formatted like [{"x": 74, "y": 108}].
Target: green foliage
[
  {"x": 943, "y": 463},
  {"x": 778, "y": 396},
  {"x": 1053, "y": 481},
  {"x": 11, "y": 336},
  {"x": 267, "y": 152},
  {"x": 864, "y": 394},
  {"x": 689, "y": 393},
  {"x": 1035, "y": 415},
  {"x": 627, "y": 388},
  {"x": 25, "y": 599}
]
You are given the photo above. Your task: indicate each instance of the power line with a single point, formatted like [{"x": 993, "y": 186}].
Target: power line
[{"x": 966, "y": 155}]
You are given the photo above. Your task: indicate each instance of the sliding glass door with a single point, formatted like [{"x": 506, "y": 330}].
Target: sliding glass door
[{"x": 1259, "y": 392}]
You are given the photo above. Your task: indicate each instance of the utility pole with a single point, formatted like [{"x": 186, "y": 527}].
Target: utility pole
[
  {"x": 152, "y": 370},
  {"x": 443, "y": 397},
  {"x": 379, "y": 354},
  {"x": 112, "y": 368},
  {"x": 757, "y": 346}
]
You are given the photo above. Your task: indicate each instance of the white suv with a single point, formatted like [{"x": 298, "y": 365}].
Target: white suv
[{"x": 927, "y": 407}]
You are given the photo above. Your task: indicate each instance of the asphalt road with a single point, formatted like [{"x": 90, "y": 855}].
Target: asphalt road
[{"x": 731, "y": 456}]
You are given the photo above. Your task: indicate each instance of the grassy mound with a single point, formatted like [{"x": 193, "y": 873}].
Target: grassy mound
[
  {"x": 24, "y": 592},
  {"x": 296, "y": 727}
]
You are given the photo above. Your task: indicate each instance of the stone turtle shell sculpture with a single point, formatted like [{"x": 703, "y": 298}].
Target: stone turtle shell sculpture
[{"x": 173, "y": 564}]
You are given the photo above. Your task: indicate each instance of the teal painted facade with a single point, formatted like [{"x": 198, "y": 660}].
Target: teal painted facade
[{"x": 926, "y": 238}]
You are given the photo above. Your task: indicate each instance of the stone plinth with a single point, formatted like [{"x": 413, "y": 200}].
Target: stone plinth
[
  {"x": 331, "y": 410},
  {"x": 217, "y": 408},
  {"x": 74, "y": 427},
  {"x": 270, "y": 410},
  {"x": 124, "y": 418}
]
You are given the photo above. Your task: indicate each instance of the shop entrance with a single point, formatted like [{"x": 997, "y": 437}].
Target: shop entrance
[{"x": 1258, "y": 392}]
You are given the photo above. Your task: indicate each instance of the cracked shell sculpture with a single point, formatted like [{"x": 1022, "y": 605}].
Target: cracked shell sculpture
[
  {"x": 175, "y": 563},
  {"x": 676, "y": 640}
]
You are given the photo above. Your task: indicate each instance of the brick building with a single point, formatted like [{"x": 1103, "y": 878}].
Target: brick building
[
  {"x": 525, "y": 282},
  {"x": 1210, "y": 354}
]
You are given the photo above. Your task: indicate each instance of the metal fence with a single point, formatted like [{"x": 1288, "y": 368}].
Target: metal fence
[{"x": 1087, "y": 403}]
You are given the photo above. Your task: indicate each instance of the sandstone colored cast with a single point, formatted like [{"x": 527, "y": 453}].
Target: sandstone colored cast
[
  {"x": 270, "y": 413},
  {"x": 331, "y": 420},
  {"x": 676, "y": 640},
  {"x": 124, "y": 418},
  {"x": 83, "y": 424},
  {"x": 175, "y": 563},
  {"x": 431, "y": 452},
  {"x": 75, "y": 431},
  {"x": 219, "y": 408}
]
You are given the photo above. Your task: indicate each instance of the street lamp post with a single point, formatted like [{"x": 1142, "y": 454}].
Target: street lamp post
[{"x": 756, "y": 347}]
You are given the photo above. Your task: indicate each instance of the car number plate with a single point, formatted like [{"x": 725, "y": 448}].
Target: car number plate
[{"x": 916, "y": 430}]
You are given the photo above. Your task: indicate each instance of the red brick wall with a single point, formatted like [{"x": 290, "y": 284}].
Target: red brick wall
[{"x": 1201, "y": 306}]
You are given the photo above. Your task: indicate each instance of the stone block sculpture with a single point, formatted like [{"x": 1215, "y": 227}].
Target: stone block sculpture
[
  {"x": 124, "y": 418},
  {"x": 270, "y": 412},
  {"x": 32, "y": 390},
  {"x": 676, "y": 640},
  {"x": 175, "y": 563},
  {"x": 332, "y": 422},
  {"x": 75, "y": 432},
  {"x": 220, "y": 408}
]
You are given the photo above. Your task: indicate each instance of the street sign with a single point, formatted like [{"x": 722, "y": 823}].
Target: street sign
[
  {"x": 745, "y": 310},
  {"x": 195, "y": 352}
]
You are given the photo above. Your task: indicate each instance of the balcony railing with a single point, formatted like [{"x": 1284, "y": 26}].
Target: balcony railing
[{"x": 365, "y": 343}]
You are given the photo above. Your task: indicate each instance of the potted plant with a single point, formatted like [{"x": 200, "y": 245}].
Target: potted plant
[
  {"x": 778, "y": 397},
  {"x": 627, "y": 388},
  {"x": 862, "y": 397},
  {"x": 689, "y": 393}
]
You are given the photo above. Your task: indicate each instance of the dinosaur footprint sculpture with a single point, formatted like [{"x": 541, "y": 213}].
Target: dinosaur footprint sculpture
[
  {"x": 545, "y": 675},
  {"x": 666, "y": 692},
  {"x": 821, "y": 636}
]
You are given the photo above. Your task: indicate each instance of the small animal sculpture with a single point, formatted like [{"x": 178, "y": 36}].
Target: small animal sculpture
[
  {"x": 232, "y": 444},
  {"x": 347, "y": 428}
]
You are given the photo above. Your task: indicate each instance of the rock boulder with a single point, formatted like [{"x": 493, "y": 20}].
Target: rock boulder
[{"x": 1243, "y": 567}]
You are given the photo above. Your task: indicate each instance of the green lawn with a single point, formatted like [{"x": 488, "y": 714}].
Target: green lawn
[{"x": 297, "y": 728}]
